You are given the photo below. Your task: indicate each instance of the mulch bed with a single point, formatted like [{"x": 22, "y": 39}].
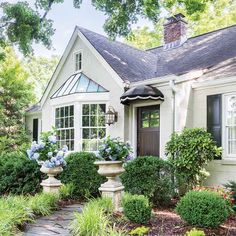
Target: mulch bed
[{"x": 167, "y": 223}]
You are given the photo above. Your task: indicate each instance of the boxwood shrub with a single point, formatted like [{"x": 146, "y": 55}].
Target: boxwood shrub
[
  {"x": 149, "y": 176},
  {"x": 137, "y": 208},
  {"x": 82, "y": 173},
  {"x": 19, "y": 175},
  {"x": 203, "y": 209}
]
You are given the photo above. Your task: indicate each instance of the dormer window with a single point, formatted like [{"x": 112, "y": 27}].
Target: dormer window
[{"x": 78, "y": 61}]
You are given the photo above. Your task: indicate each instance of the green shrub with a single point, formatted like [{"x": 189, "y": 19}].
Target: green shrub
[
  {"x": 203, "y": 208},
  {"x": 149, "y": 176},
  {"x": 82, "y": 173},
  {"x": 195, "y": 232},
  {"x": 136, "y": 208},
  {"x": 19, "y": 175},
  {"x": 188, "y": 153},
  {"x": 93, "y": 220}
]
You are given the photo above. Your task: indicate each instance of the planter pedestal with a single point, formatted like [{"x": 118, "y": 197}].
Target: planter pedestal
[
  {"x": 51, "y": 184},
  {"x": 113, "y": 188}
]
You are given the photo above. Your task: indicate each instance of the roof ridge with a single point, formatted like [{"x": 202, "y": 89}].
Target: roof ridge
[
  {"x": 115, "y": 41},
  {"x": 200, "y": 35}
]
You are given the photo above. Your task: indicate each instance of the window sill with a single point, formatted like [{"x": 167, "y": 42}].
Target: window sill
[{"x": 228, "y": 162}]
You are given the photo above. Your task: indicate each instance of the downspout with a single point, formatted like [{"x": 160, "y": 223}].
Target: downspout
[{"x": 173, "y": 90}]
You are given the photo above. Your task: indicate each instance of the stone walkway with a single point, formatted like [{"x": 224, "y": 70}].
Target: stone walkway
[{"x": 55, "y": 224}]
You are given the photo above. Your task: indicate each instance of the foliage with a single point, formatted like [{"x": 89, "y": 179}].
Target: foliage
[
  {"x": 15, "y": 211},
  {"x": 82, "y": 173},
  {"x": 22, "y": 24},
  {"x": 15, "y": 96},
  {"x": 140, "y": 231},
  {"x": 40, "y": 70},
  {"x": 189, "y": 152},
  {"x": 43, "y": 203},
  {"x": 67, "y": 191},
  {"x": 195, "y": 232},
  {"x": 217, "y": 14},
  {"x": 203, "y": 208},
  {"x": 223, "y": 192},
  {"x": 46, "y": 152},
  {"x": 149, "y": 176},
  {"x": 18, "y": 175},
  {"x": 136, "y": 208},
  {"x": 93, "y": 220},
  {"x": 113, "y": 149},
  {"x": 231, "y": 185}
]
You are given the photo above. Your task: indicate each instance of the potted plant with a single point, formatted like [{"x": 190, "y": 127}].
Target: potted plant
[
  {"x": 47, "y": 154},
  {"x": 112, "y": 153}
]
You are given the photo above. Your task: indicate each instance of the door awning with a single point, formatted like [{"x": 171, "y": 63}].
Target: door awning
[{"x": 141, "y": 92}]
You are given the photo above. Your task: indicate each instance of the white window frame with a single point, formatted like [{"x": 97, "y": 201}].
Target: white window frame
[
  {"x": 54, "y": 120},
  {"x": 74, "y": 60},
  {"x": 226, "y": 155},
  {"x": 81, "y": 121}
]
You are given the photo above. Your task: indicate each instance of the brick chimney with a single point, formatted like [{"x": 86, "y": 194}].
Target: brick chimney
[{"x": 175, "y": 31}]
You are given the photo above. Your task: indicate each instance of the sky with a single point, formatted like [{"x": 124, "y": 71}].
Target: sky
[{"x": 66, "y": 17}]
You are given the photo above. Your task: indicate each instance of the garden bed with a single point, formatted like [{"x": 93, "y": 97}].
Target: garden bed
[{"x": 166, "y": 222}]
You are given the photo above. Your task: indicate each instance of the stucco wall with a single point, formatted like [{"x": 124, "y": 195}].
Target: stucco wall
[
  {"x": 95, "y": 70},
  {"x": 29, "y": 122},
  {"x": 223, "y": 170}
]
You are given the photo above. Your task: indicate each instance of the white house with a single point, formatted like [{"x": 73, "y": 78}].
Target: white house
[{"x": 187, "y": 82}]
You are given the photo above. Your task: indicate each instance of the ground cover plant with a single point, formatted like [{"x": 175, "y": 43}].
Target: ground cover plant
[
  {"x": 149, "y": 176},
  {"x": 95, "y": 219},
  {"x": 16, "y": 211}
]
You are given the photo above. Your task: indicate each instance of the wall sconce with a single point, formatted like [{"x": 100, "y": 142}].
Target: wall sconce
[{"x": 111, "y": 116}]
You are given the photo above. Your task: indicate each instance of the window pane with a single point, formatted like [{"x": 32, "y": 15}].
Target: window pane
[
  {"x": 57, "y": 112},
  {"x": 66, "y": 111},
  {"x": 86, "y": 134},
  {"x": 93, "y": 121},
  {"x": 71, "y": 122},
  {"x": 154, "y": 123},
  {"x": 83, "y": 84},
  {"x": 145, "y": 114},
  {"x": 154, "y": 114},
  {"x": 62, "y": 112},
  {"x": 101, "y": 133},
  {"x": 85, "y": 109},
  {"x": 85, "y": 145},
  {"x": 101, "y": 109},
  {"x": 71, "y": 110},
  {"x": 93, "y": 134},
  {"x": 93, "y": 109},
  {"x": 145, "y": 123},
  {"x": 93, "y": 145},
  {"x": 93, "y": 87},
  {"x": 101, "y": 121},
  {"x": 85, "y": 121}
]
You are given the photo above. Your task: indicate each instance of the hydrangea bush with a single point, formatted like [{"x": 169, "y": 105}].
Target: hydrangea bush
[
  {"x": 114, "y": 149},
  {"x": 46, "y": 152}
]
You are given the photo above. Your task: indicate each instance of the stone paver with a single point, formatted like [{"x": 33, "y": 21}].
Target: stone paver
[{"x": 55, "y": 224}]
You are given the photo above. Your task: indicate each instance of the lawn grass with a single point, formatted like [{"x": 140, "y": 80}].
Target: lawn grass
[{"x": 15, "y": 211}]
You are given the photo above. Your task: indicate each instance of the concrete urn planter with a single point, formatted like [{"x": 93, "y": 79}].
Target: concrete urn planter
[
  {"x": 113, "y": 187},
  {"x": 51, "y": 184}
]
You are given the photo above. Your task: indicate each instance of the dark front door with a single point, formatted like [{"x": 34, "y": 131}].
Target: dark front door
[{"x": 148, "y": 130}]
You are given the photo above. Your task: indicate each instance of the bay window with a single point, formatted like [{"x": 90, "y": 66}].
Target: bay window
[
  {"x": 93, "y": 126},
  {"x": 64, "y": 123}
]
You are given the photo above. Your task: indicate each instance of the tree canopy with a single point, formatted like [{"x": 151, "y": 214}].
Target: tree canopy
[
  {"x": 216, "y": 14},
  {"x": 40, "y": 70},
  {"x": 16, "y": 93},
  {"x": 23, "y": 24}
]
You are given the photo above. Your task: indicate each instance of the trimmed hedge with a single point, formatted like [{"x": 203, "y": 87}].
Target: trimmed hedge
[
  {"x": 18, "y": 174},
  {"x": 203, "y": 209},
  {"x": 149, "y": 176},
  {"x": 137, "y": 208},
  {"x": 82, "y": 173}
]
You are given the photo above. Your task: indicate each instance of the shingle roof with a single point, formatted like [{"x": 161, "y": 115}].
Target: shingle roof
[
  {"x": 200, "y": 52},
  {"x": 129, "y": 63}
]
